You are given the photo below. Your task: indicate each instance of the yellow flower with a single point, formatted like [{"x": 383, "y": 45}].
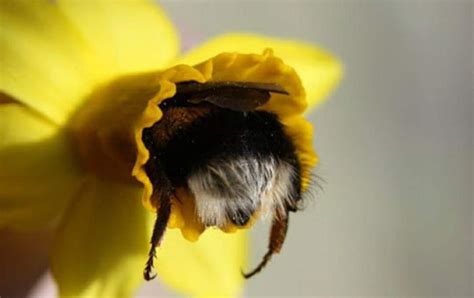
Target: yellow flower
[{"x": 79, "y": 81}]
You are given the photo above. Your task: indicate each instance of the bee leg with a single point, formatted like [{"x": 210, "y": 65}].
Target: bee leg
[
  {"x": 277, "y": 237},
  {"x": 163, "y": 197}
]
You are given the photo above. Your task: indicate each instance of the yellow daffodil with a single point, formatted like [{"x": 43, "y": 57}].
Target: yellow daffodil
[{"x": 79, "y": 81}]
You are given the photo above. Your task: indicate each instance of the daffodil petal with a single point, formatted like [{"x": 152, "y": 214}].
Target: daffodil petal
[
  {"x": 319, "y": 70},
  {"x": 38, "y": 176},
  {"x": 19, "y": 124},
  {"x": 37, "y": 181},
  {"x": 44, "y": 61},
  {"x": 101, "y": 247},
  {"x": 130, "y": 36},
  {"x": 102, "y": 244},
  {"x": 210, "y": 267}
]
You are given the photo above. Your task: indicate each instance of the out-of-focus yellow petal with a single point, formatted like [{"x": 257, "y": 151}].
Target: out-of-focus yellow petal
[
  {"x": 37, "y": 181},
  {"x": 103, "y": 240},
  {"x": 19, "y": 124},
  {"x": 44, "y": 62},
  {"x": 319, "y": 70},
  {"x": 102, "y": 243},
  {"x": 210, "y": 267},
  {"x": 130, "y": 35},
  {"x": 38, "y": 174}
]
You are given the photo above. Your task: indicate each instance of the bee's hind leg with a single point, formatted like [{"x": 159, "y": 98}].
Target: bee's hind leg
[{"x": 277, "y": 238}]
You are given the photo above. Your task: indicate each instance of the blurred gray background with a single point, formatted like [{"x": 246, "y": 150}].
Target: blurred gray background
[{"x": 395, "y": 141}]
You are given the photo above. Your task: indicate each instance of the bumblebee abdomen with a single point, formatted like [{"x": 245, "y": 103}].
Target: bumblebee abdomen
[{"x": 234, "y": 163}]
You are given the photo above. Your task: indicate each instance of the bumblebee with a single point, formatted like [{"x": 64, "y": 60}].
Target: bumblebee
[{"x": 235, "y": 160}]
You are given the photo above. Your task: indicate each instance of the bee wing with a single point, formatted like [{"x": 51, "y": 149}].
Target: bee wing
[{"x": 238, "y": 96}]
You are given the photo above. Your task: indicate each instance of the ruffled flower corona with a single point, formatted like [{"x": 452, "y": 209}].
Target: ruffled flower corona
[{"x": 79, "y": 82}]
